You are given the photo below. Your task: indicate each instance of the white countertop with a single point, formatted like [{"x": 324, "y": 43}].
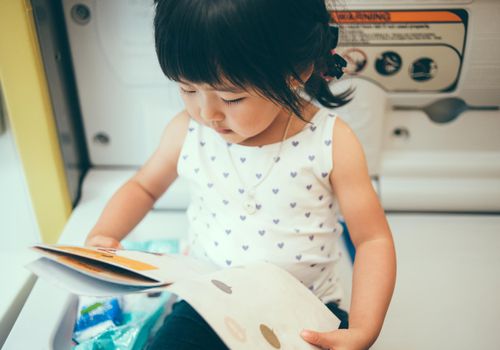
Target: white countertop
[{"x": 16, "y": 285}]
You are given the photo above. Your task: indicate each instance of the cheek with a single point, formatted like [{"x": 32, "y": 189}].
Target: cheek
[
  {"x": 253, "y": 119},
  {"x": 188, "y": 101},
  {"x": 246, "y": 125},
  {"x": 191, "y": 106}
]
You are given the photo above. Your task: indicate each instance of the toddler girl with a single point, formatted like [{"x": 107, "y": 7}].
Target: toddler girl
[{"x": 270, "y": 165}]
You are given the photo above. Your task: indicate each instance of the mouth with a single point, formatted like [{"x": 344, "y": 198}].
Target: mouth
[{"x": 222, "y": 130}]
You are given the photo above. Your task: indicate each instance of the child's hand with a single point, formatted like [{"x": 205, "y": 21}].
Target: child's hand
[
  {"x": 103, "y": 242},
  {"x": 340, "y": 339}
]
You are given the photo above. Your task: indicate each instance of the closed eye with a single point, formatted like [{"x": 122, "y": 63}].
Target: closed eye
[
  {"x": 187, "y": 91},
  {"x": 235, "y": 101}
]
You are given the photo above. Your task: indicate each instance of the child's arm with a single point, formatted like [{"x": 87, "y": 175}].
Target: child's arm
[
  {"x": 375, "y": 263},
  {"x": 136, "y": 197}
]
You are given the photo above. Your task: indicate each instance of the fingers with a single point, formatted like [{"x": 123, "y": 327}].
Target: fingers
[
  {"x": 335, "y": 339},
  {"x": 103, "y": 242},
  {"x": 338, "y": 339},
  {"x": 320, "y": 339}
]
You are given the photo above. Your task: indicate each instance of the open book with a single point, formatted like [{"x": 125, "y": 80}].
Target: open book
[{"x": 257, "y": 306}]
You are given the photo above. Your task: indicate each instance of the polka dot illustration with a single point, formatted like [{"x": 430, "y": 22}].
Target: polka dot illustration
[
  {"x": 270, "y": 336},
  {"x": 237, "y": 331},
  {"x": 222, "y": 286}
]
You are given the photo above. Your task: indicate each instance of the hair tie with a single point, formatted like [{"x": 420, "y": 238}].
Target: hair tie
[
  {"x": 334, "y": 62},
  {"x": 335, "y": 65}
]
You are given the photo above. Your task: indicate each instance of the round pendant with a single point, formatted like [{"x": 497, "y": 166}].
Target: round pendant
[{"x": 250, "y": 206}]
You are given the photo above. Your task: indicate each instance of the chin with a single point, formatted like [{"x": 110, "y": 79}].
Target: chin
[{"x": 233, "y": 137}]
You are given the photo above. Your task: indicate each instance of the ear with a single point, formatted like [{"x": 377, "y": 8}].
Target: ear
[{"x": 304, "y": 76}]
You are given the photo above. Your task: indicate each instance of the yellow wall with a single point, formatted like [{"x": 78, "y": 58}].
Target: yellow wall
[{"x": 30, "y": 115}]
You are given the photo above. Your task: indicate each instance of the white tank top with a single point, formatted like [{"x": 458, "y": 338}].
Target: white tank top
[{"x": 295, "y": 220}]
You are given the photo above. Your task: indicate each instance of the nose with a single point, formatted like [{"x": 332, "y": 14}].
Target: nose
[{"x": 210, "y": 112}]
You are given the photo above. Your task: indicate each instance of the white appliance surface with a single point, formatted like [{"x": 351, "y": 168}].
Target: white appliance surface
[
  {"x": 18, "y": 229},
  {"x": 446, "y": 295}
]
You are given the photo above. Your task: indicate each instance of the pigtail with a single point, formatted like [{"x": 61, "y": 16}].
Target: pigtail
[
  {"x": 327, "y": 68},
  {"x": 317, "y": 87}
]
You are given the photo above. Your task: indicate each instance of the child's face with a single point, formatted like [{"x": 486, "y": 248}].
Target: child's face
[{"x": 237, "y": 115}]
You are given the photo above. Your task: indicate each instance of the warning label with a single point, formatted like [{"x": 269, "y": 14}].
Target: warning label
[
  {"x": 404, "y": 50},
  {"x": 396, "y": 17}
]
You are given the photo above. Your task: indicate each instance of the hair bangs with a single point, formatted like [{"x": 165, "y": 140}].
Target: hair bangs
[{"x": 199, "y": 46}]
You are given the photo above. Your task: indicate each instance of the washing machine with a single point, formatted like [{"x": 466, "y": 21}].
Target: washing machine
[{"x": 426, "y": 109}]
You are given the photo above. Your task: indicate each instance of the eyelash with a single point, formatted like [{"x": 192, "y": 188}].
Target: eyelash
[
  {"x": 233, "y": 102},
  {"x": 187, "y": 91},
  {"x": 229, "y": 102}
]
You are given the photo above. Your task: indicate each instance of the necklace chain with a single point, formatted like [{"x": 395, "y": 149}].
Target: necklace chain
[{"x": 250, "y": 204}]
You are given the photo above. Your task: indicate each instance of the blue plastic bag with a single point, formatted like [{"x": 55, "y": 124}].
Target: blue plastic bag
[{"x": 134, "y": 316}]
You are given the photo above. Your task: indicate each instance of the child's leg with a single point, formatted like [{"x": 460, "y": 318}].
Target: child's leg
[
  {"x": 185, "y": 329},
  {"x": 342, "y": 315}
]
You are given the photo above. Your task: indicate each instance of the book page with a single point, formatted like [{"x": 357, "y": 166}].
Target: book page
[
  {"x": 78, "y": 283},
  {"x": 99, "y": 270},
  {"x": 160, "y": 268},
  {"x": 260, "y": 306}
]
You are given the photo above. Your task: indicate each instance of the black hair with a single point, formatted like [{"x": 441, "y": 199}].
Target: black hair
[{"x": 256, "y": 43}]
